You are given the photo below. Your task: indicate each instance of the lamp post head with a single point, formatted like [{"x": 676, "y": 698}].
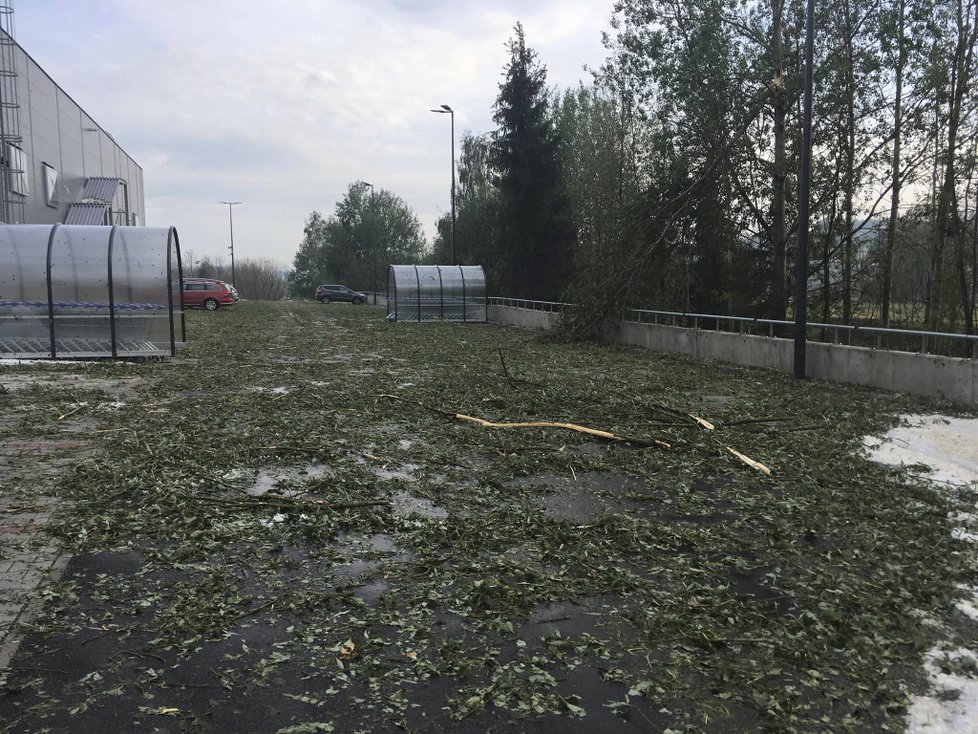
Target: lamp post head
[{"x": 447, "y": 108}]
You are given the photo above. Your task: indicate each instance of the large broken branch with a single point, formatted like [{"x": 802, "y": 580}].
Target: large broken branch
[
  {"x": 566, "y": 426},
  {"x": 608, "y": 436}
]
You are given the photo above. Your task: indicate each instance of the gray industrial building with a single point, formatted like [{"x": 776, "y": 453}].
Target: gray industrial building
[{"x": 58, "y": 165}]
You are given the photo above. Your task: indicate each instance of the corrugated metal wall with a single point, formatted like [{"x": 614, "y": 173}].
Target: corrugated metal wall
[{"x": 59, "y": 133}]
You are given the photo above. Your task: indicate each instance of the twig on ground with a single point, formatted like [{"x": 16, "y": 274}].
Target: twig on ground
[{"x": 514, "y": 382}]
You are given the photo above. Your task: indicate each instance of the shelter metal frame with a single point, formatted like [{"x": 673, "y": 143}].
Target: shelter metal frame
[
  {"x": 73, "y": 331},
  {"x": 460, "y": 294}
]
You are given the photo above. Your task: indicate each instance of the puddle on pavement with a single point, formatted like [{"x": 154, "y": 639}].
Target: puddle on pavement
[
  {"x": 715, "y": 401},
  {"x": 947, "y": 446},
  {"x": 378, "y": 543},
  {"x": 354, "y": 571},
  {"x": 402, "y": 472},
  {"x": 371, "y": 591},
  {"x": 384, "y": 429},
  {"x": 16, "y": 380},
  {"x": 587, "y": 497},
  {"x": 279, "y": 478},
  {"x": 943, "y": 450},
  {"x": 406, "y": 504},
  {"x": 568, "y": 618},
  {"x": 273, "y": 390}
]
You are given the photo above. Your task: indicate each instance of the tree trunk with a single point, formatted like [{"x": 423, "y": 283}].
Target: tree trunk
[
  {"x": 891, "y": 230},
  {"x": 779, "y": 302},
  {"x": 849, "y": 183},
  {"x": 947, "y": 219}
]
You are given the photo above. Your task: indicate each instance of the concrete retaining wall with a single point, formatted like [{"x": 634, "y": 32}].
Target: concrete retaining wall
[
  {"x": 950, "y": 378},
  {"x": 521, "y": 317}
]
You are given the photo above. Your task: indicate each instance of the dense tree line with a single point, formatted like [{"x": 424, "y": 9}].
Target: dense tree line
[
  {"x": 355, "y": 245},
  {"x": 255, "y": 279},
  {"x": 671, "y": 181}
]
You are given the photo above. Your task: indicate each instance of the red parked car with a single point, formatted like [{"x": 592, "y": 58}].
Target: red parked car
[{"x": 207, "y": 293}]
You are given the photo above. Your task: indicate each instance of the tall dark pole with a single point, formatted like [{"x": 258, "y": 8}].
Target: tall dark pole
[
  {"x": 231, "y": 224},
  {"x": 804, "y": 207},
  {"x": 445, "y": 108},
  {"x": 373, "y": 240}
]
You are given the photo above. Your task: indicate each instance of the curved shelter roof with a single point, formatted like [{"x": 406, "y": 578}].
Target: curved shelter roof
[
  {"x": 436, "y": 293},
  {"x": 89, "y": 291}
]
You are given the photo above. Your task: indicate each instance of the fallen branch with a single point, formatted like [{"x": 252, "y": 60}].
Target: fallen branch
[
  {"x": 514, "y": 381},
  {"x": 505, "y": 371},
  {"x": 566, "y": 426},
  {"x": 71, "y": 412},
  {"x": 536, "y": 424},
  {"x": 750, "y": 462},
  {"x": 672, "y": 412},
  {"x": 702, "y": 422}
]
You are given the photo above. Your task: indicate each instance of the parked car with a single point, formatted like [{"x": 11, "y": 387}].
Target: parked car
[
  {"x": 207, "y": 293},
  {"x": 327, "y": 293}
]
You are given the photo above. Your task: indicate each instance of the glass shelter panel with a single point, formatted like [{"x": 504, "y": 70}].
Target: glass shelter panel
[
  {"x": 80, "y": 291},
  {"x": 140, "y": 287},
  {"x": 451, "y": 277},
  {"x": 430, "y": 287},
  {"x": 87, "y": 291},
  {"x": 403, "y": 298},
  {"x": 436, "y": 293},
  {"x": 475, "y": 293},
  {"x": 24, "y": 289}
]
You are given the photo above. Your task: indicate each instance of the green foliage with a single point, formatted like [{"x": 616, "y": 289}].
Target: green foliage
[
  {"x": 258, "y": 523},
  {"x": 310, "y": 267},
  {"x": 368, "y": 232},
  {"x": 535, "y": 235}
]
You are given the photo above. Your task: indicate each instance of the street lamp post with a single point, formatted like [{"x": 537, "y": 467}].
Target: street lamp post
[
  {"x": 231, "y": 224},
  {"x": 373, "y": 241},
  {"x": 445, "y": 109}
]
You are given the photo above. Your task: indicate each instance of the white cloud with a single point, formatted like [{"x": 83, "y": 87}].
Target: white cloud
[{"x": 282, "y": 105}]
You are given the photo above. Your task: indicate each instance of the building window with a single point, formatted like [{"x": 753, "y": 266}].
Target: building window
[
  {"x": 17, "y": 169},
  {"x": 49, "y": 175}
]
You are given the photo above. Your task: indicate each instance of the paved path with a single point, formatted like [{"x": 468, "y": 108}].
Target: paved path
[{"x": 28, "y": 559}]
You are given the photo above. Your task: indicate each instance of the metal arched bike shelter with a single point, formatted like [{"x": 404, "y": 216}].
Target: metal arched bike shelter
[
  {"x": 436, "y": 293},
  {"x": 82, "y": 292}
]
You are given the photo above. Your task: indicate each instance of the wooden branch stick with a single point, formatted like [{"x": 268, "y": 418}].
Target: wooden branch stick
[
  {"x": 502, "y": 361},
  {"x": 70, "y": 412},
  {"x": 536, "y": 424},
  {"x": 750, "y": 462},
  {"x": 514, "y": 381},
  {"x": 702, "y": 423},
  {"x": 663, "y": 408},
  {"x": 566, "y": 426}
]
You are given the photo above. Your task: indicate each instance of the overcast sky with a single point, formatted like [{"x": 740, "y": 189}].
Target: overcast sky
[{"x": 281, "y": 104}]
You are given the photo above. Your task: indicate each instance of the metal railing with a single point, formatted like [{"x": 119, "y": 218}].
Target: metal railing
[{"x": 875, "y": 337}]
